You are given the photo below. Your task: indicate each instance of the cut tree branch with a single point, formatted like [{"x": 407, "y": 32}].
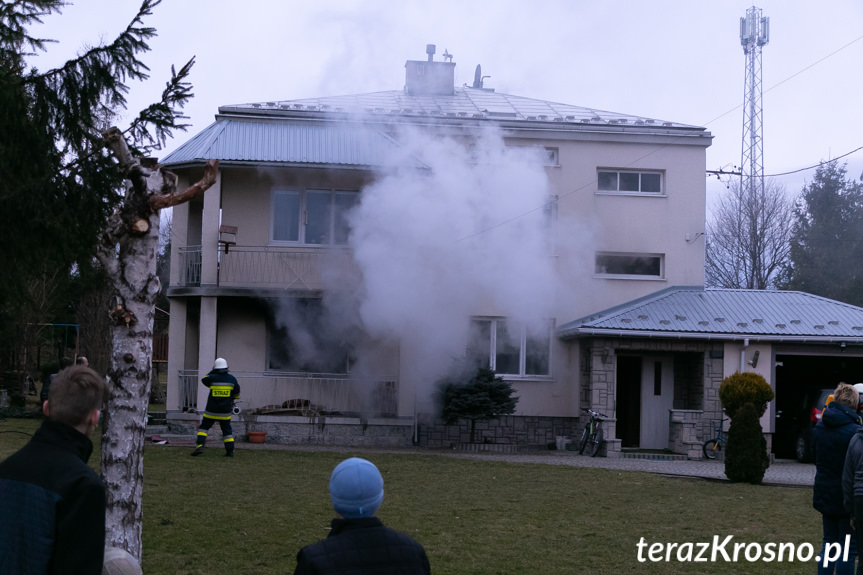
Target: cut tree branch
[{"x": 211, "y": 169}]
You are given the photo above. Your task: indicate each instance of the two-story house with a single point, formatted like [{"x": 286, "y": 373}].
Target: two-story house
[{"x": 355, "y": 248}]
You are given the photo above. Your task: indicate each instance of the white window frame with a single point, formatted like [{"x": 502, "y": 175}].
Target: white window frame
[
  {"x": 551, "y": 156},
  {"x": 618, "y": 192},
  {"x": 626, "y": 276},
  {"x": 303, "y": 215},
  {"x": 522, "y": 344}
]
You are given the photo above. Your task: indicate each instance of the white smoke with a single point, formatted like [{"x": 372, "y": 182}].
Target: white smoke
[{"x": 454, "y": 229}]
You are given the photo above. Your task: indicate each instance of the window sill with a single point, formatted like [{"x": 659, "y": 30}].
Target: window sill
[
  {"x": 628, "y": 277},
  {"x": 527, "y": 378},
  {"x": 631, "y": 194}
]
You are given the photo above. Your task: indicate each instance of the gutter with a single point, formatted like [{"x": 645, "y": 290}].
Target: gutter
[{"x": 582, "y": 331}]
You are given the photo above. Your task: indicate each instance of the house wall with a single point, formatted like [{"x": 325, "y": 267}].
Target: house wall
[
  {"x": 764, "y": 367},
  {"x": 670, "y": 224},
  {"x": 589, "y": 221}
]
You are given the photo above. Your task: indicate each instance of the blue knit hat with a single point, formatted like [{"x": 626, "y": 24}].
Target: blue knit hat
[{"x": 356, "y": 488}]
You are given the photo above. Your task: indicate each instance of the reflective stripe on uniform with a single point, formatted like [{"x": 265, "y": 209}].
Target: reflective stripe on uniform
[{"x": 218, "y": 417}]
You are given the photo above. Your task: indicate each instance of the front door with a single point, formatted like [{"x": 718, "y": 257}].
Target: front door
[
  {"x": 657, "y": 399},
  {"x": 628, "y": 396}
]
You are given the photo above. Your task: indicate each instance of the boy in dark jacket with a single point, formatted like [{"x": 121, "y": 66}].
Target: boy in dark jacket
[
  {"x": 359, "y": 544},
  {"x": 52, "y": 504}
]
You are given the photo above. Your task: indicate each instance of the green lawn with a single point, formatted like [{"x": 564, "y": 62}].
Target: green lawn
[{"x": 250, "y": 515}]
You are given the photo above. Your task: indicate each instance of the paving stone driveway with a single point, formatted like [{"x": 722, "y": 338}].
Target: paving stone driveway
[{"x": 780, "y": 472}]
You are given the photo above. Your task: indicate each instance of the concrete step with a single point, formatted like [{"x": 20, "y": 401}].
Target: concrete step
[{"x": 653, "y": 456}]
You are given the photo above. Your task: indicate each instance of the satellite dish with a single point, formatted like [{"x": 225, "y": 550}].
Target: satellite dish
[{"x": 477, "y": 77}]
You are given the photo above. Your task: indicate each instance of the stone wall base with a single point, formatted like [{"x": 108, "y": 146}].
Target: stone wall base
[
  {"x": 523, "y": 432},
  {"x": 292, "y": 430}
]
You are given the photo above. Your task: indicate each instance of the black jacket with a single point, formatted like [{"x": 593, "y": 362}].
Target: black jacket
[
  {"x": 363, "y": 547},
  {"x": 224, "y": 389},
  {"x": 852, "y": 474},
  {"x": 52, "y": 506},
  {"x": 830, "y": 438}
]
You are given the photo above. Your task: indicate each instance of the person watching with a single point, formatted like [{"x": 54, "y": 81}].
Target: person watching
[
  {"x": 52, "y": 516},
  {"x": 359, "y": 543}
]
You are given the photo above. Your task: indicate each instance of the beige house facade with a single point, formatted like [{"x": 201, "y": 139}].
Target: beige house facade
[{"x": 318, "y": 266}]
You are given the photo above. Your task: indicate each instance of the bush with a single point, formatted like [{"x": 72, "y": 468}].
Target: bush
[
  {"x": 746, "y": 457},
  {"x": 739, "y": 389},
  {"x": 481, "y": 397}
]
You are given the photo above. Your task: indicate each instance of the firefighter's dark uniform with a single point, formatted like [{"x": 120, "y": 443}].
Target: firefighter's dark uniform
[{"x": 224, "y": 389}]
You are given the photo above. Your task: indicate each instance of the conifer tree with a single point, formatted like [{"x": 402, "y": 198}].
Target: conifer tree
[
  {"x": 74, "y": 188},
  {"x": 827, "y": 241},
  {"x": 483, "y": 396}
]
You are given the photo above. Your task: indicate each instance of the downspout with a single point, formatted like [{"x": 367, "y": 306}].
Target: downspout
[{"x": 743, "y": 354}]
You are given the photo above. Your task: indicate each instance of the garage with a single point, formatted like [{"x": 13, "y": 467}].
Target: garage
[{"x": 800, "y": 384}]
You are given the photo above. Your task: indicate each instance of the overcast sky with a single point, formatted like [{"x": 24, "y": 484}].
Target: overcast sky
[{"x": 674, "y": 60}]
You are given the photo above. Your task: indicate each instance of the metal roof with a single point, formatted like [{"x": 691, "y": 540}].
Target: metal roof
[
  {"x": 726, "y": 314},
  {"x": 463, "y": 103},
  {"x": 233, "y": 140}
]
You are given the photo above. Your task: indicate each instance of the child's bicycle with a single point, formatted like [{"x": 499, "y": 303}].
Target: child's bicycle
[
  {"x": 712, "y": 446},
  {"x": 591, "y": 437}
]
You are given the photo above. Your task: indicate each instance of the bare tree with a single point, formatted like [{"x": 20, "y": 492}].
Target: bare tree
[
  {"x": 748, "y": 237},
  {"x": 128, "y": 254}
]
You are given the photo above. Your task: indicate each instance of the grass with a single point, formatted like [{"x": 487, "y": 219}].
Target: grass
[{"x": 250, "y": 515}]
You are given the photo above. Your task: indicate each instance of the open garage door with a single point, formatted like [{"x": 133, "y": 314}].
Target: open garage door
[{"x": 799, "y": 381}]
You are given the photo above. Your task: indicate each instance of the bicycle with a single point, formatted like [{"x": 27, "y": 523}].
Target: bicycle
[
  {"x": 712, "y": 446},
  {"x": 591, "y": 437}
]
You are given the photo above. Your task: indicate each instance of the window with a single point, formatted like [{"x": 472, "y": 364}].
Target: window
[
  {"x": 632, "y": 265},
  {"x": 300, "y": 339},
  {"x": 510, "y": 350},
  {"x": 551, "y": 157},
  {"x": 618, "y": 181},
  {"x": 316, "y": 217}
]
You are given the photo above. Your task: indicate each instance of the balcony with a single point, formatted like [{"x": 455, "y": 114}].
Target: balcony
[
  {"x": 303, "y": 394},
  {"x": 263, "y": 267}
]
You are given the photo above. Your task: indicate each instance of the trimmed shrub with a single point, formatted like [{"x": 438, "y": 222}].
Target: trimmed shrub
[
  {"x": 739, "y": 389},
  {"x": 746, "y": 457}
]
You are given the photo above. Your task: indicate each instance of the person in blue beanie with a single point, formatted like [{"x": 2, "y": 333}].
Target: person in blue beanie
[
  {"x": 359, "y": 543},
  {"x": 831, "y": 436}
]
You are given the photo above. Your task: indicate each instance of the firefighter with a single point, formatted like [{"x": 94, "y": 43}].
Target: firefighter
[{"x": 224, "y": 389}]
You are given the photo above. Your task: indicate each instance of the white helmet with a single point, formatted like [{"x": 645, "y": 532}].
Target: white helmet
[{"x": 220, "y": 363}]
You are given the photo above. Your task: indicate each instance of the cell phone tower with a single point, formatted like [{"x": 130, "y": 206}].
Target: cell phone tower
[{"x": 754, "y": 34}]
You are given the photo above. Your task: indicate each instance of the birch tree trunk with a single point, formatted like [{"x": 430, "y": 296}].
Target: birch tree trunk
[{"x": 127, "y": 251}]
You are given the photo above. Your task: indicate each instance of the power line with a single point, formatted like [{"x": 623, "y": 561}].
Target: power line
[{"x": 818, "y": 165}]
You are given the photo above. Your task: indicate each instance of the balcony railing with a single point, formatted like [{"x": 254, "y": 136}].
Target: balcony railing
[
  {"x": 304, "y": 394},
  {"x": 189, "y": 389},
  {"x": 190, "y": 266},
  {"x": 302, "y": 268}
]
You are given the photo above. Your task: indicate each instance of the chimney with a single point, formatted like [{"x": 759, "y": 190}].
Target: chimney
[{"x": 430, "y": 78}]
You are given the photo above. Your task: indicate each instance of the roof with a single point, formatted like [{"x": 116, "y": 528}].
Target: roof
[
  {"x": 463, "y": 103},
  {"x": 695, "y": 312},
  {"x": 262, "y": 141}
]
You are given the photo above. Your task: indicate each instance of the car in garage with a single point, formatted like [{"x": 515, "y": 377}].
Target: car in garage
[{"x": 794, "y": 423}]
